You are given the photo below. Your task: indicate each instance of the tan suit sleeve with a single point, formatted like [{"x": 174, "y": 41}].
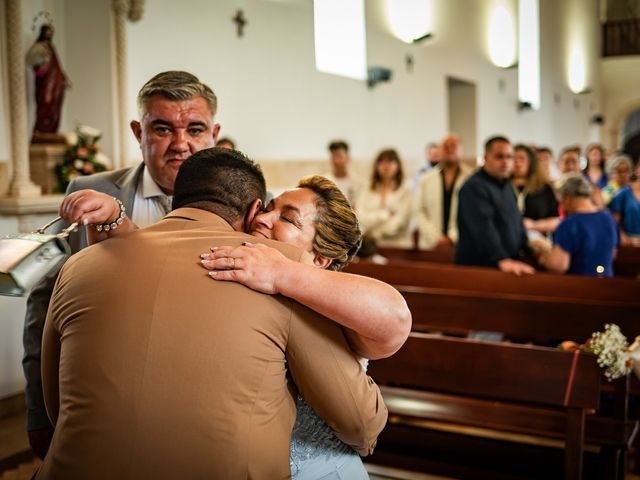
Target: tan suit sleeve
[
  {"x": 428, "y": 204},
  {"x": 332, "y": 381},
  {"x": 50, "y": 366}
]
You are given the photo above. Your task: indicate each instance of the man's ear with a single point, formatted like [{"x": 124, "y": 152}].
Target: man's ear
[
  {"x": 216, "y": 132},
  {"x": 252, "y": 211},
  {"x": 321, "y": 261},
  {"x": 136, "y": 129}
]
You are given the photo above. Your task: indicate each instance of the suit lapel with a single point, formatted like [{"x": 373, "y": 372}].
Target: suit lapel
[{"x": 127, "y": 184}]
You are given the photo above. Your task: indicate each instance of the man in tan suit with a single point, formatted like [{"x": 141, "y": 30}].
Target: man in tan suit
[
  {"x": 152, "y": 371},
  {"x": 437, "y": 198}
]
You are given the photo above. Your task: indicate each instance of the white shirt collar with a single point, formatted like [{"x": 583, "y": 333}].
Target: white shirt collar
[{"x": 149, "y": 187}]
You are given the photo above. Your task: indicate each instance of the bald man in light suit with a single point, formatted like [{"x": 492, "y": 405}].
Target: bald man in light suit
[{"x": 150, "y": 370}]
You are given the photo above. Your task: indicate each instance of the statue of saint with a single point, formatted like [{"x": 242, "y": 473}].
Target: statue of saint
[{"x": 51, "y": 82}]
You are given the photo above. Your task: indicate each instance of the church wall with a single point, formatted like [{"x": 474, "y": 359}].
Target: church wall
[
  {"x": 278, "y": 107},
  {"x": 620, "y": 94},
  {"x": 89, "y": 66}
]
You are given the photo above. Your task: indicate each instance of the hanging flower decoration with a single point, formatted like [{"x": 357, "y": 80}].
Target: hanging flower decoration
[
  {"x": 82, "y": 157},
  {"x": 612, "y": 349}
]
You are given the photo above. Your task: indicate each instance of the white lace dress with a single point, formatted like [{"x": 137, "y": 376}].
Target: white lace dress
[{"x": 316, "y": 452}]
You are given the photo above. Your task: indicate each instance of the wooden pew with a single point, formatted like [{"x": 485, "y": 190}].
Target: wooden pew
[
  {"x": 543, "y": 309},
  {"x": 539, "y": 308},
  {"x": 626, "y": 263},
  {"x": 520, "y": 390}
]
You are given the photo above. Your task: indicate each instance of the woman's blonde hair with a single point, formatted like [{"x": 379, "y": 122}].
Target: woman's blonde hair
[
  {"x": 338, "y": 235},
  {"x": 536, "y": 175}
]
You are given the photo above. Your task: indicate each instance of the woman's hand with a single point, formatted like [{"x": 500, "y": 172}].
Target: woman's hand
[
  {"x": 89, "y": 207},
  {"x": 254, "y": 265}
]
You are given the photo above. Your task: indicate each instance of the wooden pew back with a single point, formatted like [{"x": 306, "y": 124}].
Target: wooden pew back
[
  {"x": 507, "y": 387},
  {"x": 541, "y": 308},
  {"x": 626, "y": 263},
  {"x": 501, "y": 371}
]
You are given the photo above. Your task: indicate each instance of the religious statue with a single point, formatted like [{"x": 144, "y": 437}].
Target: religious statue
[{"x": 51, "y": 82}]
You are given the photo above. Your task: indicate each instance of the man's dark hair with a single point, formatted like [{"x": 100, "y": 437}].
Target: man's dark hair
[
  {"x": 544, "y": 150},
  {"x": 226, "y": 140},
  {"x": 338, "y": 145},
  {"x": 221, "y": 181},
  {"x": 497, "y": 139},
  {"x": 176, "y": 85},
  {"x": 571, "y": 148}
]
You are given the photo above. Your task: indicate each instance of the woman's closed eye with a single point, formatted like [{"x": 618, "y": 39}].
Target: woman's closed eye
[{"x": 292, "y": 220}]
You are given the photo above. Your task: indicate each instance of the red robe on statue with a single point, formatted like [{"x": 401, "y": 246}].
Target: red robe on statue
[{"x": 50, "y": 86}]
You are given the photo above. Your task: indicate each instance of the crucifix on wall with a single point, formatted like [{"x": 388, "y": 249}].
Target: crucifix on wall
[{"x": 240, "y": 22}]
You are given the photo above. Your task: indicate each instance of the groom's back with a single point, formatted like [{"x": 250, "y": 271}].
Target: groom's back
[{"x": 164, "y": 373}]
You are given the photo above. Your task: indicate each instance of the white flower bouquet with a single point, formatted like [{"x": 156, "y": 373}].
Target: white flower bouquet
[
  {"x": 612, "y": 349},
  {"x": 82, "y": 157},
  {"x": 614, "y": 354}
]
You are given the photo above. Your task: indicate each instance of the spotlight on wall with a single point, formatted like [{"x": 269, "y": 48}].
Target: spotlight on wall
[
  {"x": 377, "y": 75},
  {"x": 423, "y": 38},
  {"x": 502, "y": 37},
  {"x": 522, "y": 106},
  {"x": 410, "y": 20},
  {"x": 577, "y": 70}
]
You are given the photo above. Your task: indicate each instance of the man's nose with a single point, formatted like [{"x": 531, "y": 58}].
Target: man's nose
[
  {"x": 179, "y": 142},
  {"x": 266, "y": 219}
]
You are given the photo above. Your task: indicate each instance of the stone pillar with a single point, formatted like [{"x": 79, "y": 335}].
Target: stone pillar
[
  {"x": 121, "y": 8},
  {"x": 21, "y": 184},
  {"x": 124, "y": 10}
]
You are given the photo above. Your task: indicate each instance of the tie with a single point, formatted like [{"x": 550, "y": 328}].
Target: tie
[{"x": 165, "y": 202}]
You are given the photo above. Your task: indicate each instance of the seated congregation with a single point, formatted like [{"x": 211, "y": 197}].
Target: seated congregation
[{"x": 517, "y": 212}]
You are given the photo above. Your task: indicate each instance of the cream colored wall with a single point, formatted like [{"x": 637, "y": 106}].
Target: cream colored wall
[
  {"x": 279, "y": 108},
  {"x": 620, "y": 95},
  {"x": 274, "y": 103}
]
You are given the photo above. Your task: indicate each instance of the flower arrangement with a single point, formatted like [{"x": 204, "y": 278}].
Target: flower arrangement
[
  {"x": 82, "y": 157},
  {"x": 612, "y": 349}
]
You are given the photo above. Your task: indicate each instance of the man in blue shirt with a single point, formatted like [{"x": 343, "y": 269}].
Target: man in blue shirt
[{"x": 491, "y": 232}]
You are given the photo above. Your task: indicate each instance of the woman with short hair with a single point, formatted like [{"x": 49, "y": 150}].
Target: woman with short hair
[{"x": 585, "y": 241}]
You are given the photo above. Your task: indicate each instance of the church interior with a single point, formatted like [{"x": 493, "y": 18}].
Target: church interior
[{"x": 479, "y": 390}]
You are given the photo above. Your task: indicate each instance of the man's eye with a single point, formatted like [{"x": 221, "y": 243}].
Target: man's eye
[
  {"x": 194, "y": 132},
  {"x": 287, "y": 219},
  {"x": 162, "y": 130}
]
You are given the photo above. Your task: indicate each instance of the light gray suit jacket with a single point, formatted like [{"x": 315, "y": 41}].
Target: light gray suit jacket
[{"x": 121, "y": 184}]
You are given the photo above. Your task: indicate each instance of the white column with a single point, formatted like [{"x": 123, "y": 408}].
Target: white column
[
  {"x": 121, "y": 8},
  {"x": 21, "y": 184}
]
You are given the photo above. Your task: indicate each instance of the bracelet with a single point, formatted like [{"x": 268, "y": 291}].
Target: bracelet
[{"x": 113, "y": 225}]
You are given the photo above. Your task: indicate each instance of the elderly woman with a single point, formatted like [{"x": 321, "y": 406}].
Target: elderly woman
[
  {"x": 586, "y": 240},
  {"x": 625, "y": 207},
  {"x": 619, "y": 170},
  {"x": 384, "y": 209},
  {"x": 317, "y": 218}
]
